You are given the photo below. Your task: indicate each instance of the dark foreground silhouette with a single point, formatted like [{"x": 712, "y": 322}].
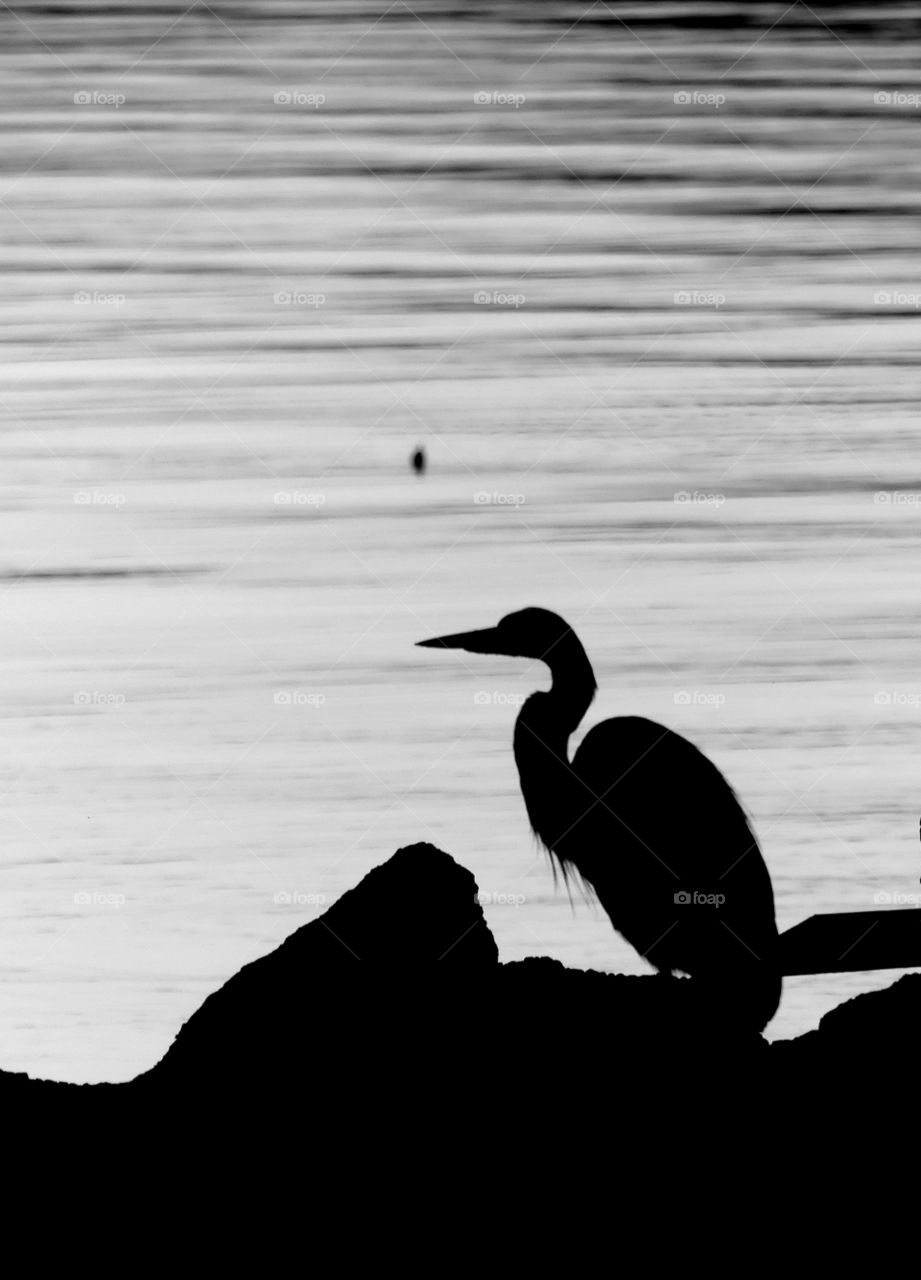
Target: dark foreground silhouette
[
  {"x": 390, "y": 1015},
  {"x": 647, "y": 821}
]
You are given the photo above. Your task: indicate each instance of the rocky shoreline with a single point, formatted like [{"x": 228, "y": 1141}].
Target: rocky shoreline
[{"x": 393, "y": 1008}]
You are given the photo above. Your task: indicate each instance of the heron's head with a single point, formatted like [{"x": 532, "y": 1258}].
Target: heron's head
[{"x": 529, "y": 633}]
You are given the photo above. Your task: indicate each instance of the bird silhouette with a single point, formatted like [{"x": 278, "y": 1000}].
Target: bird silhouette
[
  {"x": 417, "y": 460},
  {"x": 646, "y": 822}
]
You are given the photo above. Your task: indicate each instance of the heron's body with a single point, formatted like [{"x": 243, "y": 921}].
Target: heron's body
[{"x": 647, "y": 822}]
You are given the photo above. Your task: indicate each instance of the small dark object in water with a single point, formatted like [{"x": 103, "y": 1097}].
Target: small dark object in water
[{"x": 418, "y": 461}]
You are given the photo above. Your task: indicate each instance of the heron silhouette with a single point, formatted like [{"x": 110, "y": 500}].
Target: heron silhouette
[{"x": 646, "y": 822}]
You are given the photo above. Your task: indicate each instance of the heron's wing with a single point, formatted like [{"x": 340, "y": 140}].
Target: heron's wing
[{"x": 669, "y": 850}]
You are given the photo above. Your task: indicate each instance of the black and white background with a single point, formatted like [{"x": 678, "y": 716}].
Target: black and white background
[{"x": 644, "y": 282}]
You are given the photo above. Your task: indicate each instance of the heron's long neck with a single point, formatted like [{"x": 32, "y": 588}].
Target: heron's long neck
[{"x": 542, "y": 733}]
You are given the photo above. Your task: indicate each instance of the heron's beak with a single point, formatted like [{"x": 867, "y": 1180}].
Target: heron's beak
[{"x": 486, "y": 641}]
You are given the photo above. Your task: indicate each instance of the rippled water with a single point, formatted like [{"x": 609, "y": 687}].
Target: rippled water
[{"x": 643, "y": 280}]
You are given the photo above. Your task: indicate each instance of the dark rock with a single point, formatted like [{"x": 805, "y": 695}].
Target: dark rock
[
  {"x": 885, "y": 1019},
  {"x": 875, "y": 1033},
  {"x": 349, "y": 992},
  {"x": 389, "y": 1019}
]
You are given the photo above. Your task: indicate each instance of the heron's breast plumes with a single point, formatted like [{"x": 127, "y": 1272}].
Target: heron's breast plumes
[{"x": 644, "y": 820}]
